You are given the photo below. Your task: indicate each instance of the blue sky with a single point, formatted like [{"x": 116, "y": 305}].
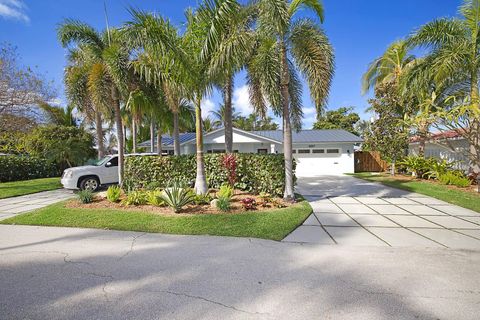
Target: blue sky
[{"x": 359, "y": 30}]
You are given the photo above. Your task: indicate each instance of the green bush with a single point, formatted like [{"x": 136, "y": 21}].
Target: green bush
[
  {"x": 200, "y": 199},
  {"x": 255, "y": 173},
  {"x": 225, "y": 192},
  {"x": 455, "y": 178},
  {"x": 135, "y": 198},
  {"x": 154, "y": 198},
  {"x": 177, "y": 197},
  {"x": 223, "y": 204},
  {"x": 85, "y": 196},
  {"x": 114, "y": 193},
  {"x": 14, "y": 168}
]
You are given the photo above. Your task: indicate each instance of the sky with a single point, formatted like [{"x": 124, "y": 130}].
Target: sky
[{"x": 359, "y": 30}]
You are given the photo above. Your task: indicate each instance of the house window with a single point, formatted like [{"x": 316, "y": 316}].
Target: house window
[
  {"x": 218, "y": 150},
  {"x": 294, "y": 151},
  {"x": 318, "y": 151},
  {"x": 262, "y": 151},
  {"x": 304, "y": 151},
  {"x": 332, "y": 151},
  {"x": 209, "y": 151}
]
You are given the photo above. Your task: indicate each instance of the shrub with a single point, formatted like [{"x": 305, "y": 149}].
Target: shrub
[
  {"x": 229, "y": 162},
  {"x": 249, "y": 204},
  {"x": 418, "y": 166},
  {"x": 455, "y": 178},
  {"x": 200, "y": 199},
  {"x": 114, "y": 193},
  {"x": 14, "y": 168},
  {"x": 135, "y": 198},
  {"x": 223, "y": 204},
  {"x": 85, "y": 196},
  {"x": 437, "y": 168},
  {"x": 177, "y": 197},
  {"x": 254, "y": 172},
  {"x": 154, "y": 198},
  {"x": 154, "y": 185},
  {"x": 225, "y": 192}
]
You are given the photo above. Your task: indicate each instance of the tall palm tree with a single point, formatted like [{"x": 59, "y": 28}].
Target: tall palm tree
[
  {"x": 454, "y": 52},
  {"x": 227, "y": 46},
  {"x": 109, "y": 76},
  {"x": 286, "y": 45},
  {"x": 220, "y": 116},
  {"x": 59, "y": 115}
]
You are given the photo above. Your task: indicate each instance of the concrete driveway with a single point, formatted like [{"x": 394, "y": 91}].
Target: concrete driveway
[
  {"x": 68, "y": 273},
  {"x": 350, "y": 211}
]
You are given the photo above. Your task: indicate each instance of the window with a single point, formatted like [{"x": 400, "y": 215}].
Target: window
[
  {"x": 304, "y": 151},
  {"x": 218, "y": 150},
  {"x": 209, "y": 151},
  {"x": 332, "y": 151},
  {"x": 318, "y": 151},
  {"x": 294, "y": 151},
  {"x": 262, "y": 151},
  {"x": 113, "y": 162}
]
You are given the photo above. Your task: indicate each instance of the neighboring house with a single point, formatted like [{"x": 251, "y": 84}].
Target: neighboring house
[
  {"x": 448, "y": 145},
  {"x": 316, "y": 151}
]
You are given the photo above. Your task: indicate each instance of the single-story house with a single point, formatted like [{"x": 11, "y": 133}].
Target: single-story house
[
  {"x": 448, "y": 145},
  {"x": 316, "y": 151}
]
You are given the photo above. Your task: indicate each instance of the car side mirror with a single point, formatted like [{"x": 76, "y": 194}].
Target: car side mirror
[{"x": 108, "y": 164}]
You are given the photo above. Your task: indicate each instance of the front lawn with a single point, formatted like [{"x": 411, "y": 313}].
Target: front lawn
[
  {"x": 19, "y": 188},
  {"x": 462, "y": 198},
  {"x": 273, "y": 224}
]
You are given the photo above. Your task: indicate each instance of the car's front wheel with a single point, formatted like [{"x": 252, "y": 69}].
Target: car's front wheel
[{"x": 90, "y": 184}]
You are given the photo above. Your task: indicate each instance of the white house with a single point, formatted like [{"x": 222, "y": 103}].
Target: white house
[
  {"x": 316, "y": 151},
  {"x": 448, "y": 145}
]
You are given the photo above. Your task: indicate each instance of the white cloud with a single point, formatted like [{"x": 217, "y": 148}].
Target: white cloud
[
  {"x": 14, "y": 9},
  {"x": 207, "y": 105},
  {"x": 241, "y": 100},
  {"x": 309, "y": 111}
]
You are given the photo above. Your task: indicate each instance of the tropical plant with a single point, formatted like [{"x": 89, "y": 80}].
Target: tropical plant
[
  {"x": 108, "y": 78},
  {"x": 114, "y": 193},
  {"x": 249, "y": 203},
  {"x": 225, "y": 191},
  {"x": 454, "y": 56},
  {"x": 57, "y": 115},
  {"x": 454, "y": 178},
  {"x": 229, "y": 162},
  {"x": 176, "y": 197},
  {"x": 285, "y": 45},
  {"x": 416, "y": 165},
  {"x": 155, "y": 198},
  {"x": 223, "y": 204},
  {"x": 437, "y": 168},
  {"x": 220, "y": 116},
  {"x": 85, "y": 196},
  {"x": 202, "y": 199},
  {"x": 135, "y": 198}
]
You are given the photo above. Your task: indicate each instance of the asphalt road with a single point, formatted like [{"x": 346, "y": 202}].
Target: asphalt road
[{"x": 62, "y": 273}]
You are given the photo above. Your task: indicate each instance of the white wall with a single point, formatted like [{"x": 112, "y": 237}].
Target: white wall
[
  {"x": 442, "y": 151},
  {"x": 324, "y": 164}
]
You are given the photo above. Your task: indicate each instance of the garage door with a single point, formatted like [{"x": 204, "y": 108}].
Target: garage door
[{"x": 325, "y": 162}]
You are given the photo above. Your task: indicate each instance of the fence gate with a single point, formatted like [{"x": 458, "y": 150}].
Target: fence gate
[{"x": 369, "y": 161}]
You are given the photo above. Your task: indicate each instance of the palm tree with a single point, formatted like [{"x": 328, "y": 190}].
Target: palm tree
[
  {"x": 285, "y": 45},
  {"x": 220, "y": 116},
  {"x": 454, "y": 53},
  {"x": 109, "y": 74},
  {"x": 58, "y": 115},
  {"x": 228, "y": 44}
]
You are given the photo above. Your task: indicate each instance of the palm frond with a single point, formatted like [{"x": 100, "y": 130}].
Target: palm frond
[{"x": 314, "y": 5}]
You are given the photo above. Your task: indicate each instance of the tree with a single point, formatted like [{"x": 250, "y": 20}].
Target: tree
[
  {"x": 363, "y": 127},
  {"x": 109, "y": 76},
  {"x": 252, "y": 123},
  {"x": 228, "y": 44},
  {"x": 58, "y": 115},
  {"x": 220, "y": 116},
  {"x": 454, "y": 53},
  {"x": 285, "y": 45},
  {"x": 387, "y": 134},
  {"x": 342, "y": 118},
  {"x": 66, "y": 146}
]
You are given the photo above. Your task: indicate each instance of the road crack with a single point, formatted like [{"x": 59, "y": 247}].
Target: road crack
[{"x": 132, "y": 244}]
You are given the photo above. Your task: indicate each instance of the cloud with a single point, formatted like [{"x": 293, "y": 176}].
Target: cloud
[
  {"x": 241, "y": 101},
  {"x": 309, "y": 111},
  {"x": 207, "y": 105},
  {"x": 14, "y": 9}
]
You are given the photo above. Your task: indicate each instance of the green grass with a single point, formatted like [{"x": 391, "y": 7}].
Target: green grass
[
  {"x": 461, "y": 198},
  {"x": 274, "y": 224},
  {"x": 19, "y": 188}
]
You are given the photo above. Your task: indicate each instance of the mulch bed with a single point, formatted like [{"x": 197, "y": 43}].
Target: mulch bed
[{"x": 236, "y": 207}]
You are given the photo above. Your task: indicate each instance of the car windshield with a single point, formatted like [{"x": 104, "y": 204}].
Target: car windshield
[{"x": 101, "y": 161}]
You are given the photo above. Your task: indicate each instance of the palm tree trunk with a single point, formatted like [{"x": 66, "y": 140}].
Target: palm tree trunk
[
  {"x": 120, "y": 133},
  {"x": 159, "y": 141},
  {"x": 134, "y": 135},
  {"x": 99, "y": 133},
  {"x": 423, "y": 138},
  {"x": 227, "y": 96},
  {"x": 152, "y": 136},
  {"x": 176, "y": 134},
  {"x": 287, "y": 127},
  {"x": 201, "y": 180},
  {"x": 474, "y": 129}
]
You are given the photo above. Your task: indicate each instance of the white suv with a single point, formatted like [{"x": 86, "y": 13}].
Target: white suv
[{"x": 103, "y": 172}]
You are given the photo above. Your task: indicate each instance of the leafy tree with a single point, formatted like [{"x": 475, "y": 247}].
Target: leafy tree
[
  {"x": 286, "y": 45},
  {"x": 66, "y": 146},
  {"x": 59, "y": 115},
  {"x": 253, "y": 122},
  {"x": 387, "y": 134},
  {"x": 342, "y": 118},
  {"x": 220, "y": 116}
]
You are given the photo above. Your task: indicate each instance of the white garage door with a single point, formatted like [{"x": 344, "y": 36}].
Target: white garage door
[{"x": 314, "y": 162}]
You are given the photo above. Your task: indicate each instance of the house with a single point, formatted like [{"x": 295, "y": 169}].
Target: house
[
  {"x": 448, "y": 145},
  {"x": 316, "y": 151}
]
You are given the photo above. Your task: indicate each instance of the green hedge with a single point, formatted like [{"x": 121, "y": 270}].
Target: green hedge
[
  {"x": 255, "y": 172},
  {"x": 14, "y": 168}
]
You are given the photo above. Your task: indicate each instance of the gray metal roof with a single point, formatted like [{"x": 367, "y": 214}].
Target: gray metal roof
[
  {"x": 303, "y": 136},
  {"x": 308, "y": 136}
]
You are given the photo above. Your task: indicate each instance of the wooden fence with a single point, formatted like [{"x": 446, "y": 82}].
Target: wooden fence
[{"x": 369, "y": 161}]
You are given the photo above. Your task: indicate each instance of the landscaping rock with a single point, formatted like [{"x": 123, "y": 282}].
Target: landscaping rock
[{"x": 214, "y": 203}]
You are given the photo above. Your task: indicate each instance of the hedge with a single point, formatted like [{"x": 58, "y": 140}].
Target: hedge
[
  {"x": 255, "y": 173},
  {"x": 14, "y": 168}
]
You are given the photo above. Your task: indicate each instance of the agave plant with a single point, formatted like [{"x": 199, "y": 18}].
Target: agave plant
[{"x": 176, "y": 197}]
